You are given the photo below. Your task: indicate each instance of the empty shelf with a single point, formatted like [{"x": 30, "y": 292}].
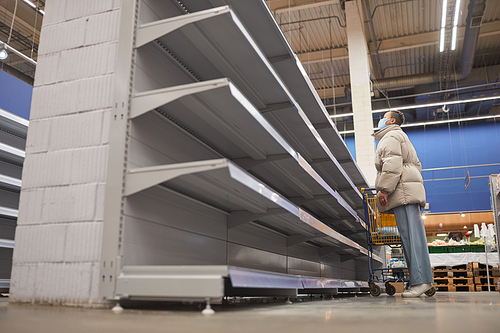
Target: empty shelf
[
  {"x": 6, "y": 243},
  {"x": 218, "y": 113},
  {"x": 11, "y": 154},
  {"x": 5, "y": 211},
  {"x": 13, "y": 123},
  {"x": 261, "y": 25},
  {"x": 205, "y": 43},
  {"x": 10, "y": 183},
  {"x": 4, "y": 283},
  {"x": 222, "y": 184}
]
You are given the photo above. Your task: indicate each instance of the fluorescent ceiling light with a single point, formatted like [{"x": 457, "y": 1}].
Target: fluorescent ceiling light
[
  {"x": 416, "y": 106},
  {"x": 455, "y": 22},
  {"x": 457, "y": 10},
  {"x": 448, "y": 121},
  {"x": 442, "y": 235},
  {"x": 18, "y": 53},
  {"x": 441, "y": 41},
  {"x": 443, "y": 26},
  {"x": 443, "y": 14},
  {"x": 454, "y": 38},
  {"x": 32, "y": 5}
]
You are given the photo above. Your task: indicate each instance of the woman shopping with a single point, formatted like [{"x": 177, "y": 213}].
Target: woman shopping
[{"x": 400, "y": 189}]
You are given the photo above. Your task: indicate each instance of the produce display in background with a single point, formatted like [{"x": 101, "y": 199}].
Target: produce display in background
[
  {"x": 450, "y": 245},
  {"x": 452, "y": 242}
]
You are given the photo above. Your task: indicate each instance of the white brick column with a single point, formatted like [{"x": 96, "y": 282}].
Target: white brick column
[
  {"x": 58, "y": 238},
  {"x": 359, "y": 68}
]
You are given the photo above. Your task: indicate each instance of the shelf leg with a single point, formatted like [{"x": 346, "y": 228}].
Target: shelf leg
[
  {"x": 208, "y": 309},
  {"x": 288, "y": 301},
  {"x": 117, "y": 308}
]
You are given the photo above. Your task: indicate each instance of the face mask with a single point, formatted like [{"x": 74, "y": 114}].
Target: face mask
[{"x": 382, "y": 123}]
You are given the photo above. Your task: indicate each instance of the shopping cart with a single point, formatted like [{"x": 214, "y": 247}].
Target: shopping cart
[{"x": 382, "y": 230}]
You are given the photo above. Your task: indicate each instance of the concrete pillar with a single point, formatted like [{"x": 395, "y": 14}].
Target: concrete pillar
[
  {"x": 359, "y": 68},
  {"x": 58, "y": 238}
]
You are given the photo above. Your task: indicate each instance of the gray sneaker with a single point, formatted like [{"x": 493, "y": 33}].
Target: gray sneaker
[{"x": 417, "y": 290}]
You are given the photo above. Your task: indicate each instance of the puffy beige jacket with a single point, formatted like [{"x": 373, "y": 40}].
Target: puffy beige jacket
[{"x": 398, "y": 169}]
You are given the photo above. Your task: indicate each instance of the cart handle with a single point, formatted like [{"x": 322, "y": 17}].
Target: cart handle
[{"x": 367, "y": 189}]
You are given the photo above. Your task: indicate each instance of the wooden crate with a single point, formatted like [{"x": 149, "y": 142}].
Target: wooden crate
[
  {"x": 485, "y": 287},
  {"x": 454, "y": 281},
  {"x": 455, "y": 273},
  {"x": 483, "y": 280},
  {"x": 454, "y": 287},
  {"x": 480, "y": 269}
]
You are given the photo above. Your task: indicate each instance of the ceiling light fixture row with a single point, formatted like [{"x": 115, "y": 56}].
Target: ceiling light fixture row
[
  {"x": 3, "y": 51},
  {"x": 458, "y": 120},
  {"x": 443, "y": 26},
  {"x": 4, "y": 48},
  {"x": 35, "y": 7},
  {"x": 418, "y": 106},
  {"x": 455, "y": 23}
]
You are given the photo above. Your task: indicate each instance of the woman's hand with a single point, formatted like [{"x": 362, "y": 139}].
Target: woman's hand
[{"x": 382, "y": 197}]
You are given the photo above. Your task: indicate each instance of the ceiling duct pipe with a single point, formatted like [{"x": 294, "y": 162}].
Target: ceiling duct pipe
[{"x": 473, "y": 24}]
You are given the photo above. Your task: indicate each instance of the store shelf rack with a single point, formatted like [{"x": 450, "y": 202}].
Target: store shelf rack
[
  {"x": 261, "y": 25},
  {"x": 224, "y": 119},
  {"x": 222, "y": 170},
  {"x": 205, "y": 42},
  {"x": 13, "y": 131}
]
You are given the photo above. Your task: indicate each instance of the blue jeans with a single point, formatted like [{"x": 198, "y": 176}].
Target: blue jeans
[{"x": 412, "y": 232}]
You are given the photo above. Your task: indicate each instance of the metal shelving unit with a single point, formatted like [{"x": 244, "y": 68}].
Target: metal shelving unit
[
  {"x": 227, "y": 186},
  {"x": 261, "y": 25},
  {"x": 13, "y": 131}
]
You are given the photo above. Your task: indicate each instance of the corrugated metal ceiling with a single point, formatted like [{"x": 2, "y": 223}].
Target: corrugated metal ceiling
[{"x": 323, "y": 28}]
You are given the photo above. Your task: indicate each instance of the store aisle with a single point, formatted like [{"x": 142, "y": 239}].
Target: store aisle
[{"x": 447, "y": 312}]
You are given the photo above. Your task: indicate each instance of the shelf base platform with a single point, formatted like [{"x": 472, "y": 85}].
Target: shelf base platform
[{"x": 199, "y": 283}]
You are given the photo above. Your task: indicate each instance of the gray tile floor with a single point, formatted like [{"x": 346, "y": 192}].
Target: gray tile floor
[{"x": 444, "y": 313}]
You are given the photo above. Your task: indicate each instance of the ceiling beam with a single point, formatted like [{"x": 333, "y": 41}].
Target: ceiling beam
[
  {"x": 285, "y": 6},
  {"x": 396, "y": 44},
  {"x": 328, "y": 92}
]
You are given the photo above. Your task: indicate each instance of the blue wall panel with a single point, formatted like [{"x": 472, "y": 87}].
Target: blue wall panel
[
  {"x": 452, "y": 146},
  {"x": 15, "y": 95}
]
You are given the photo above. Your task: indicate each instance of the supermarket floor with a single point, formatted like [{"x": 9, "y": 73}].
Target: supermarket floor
[{"x": 446, "y": 312}]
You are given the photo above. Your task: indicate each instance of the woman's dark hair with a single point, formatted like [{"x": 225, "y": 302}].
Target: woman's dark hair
[{"x": 399, "y": 116}]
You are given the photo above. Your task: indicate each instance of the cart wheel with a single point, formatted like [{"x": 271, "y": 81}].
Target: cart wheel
[
  {"x": 390, "y": 289},
  {"x": 431, "y": 292},
  {"x": 375, "y": 290}
]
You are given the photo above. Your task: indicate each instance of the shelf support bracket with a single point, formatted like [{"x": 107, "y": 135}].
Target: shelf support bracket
[
  {"x": 303, "y": 201},
  {"x": 347, "y": 257},
  {"x": 140, "y": 179},
  {"x": 150, "y": 31},
  {"x": 242, "y": 217},
  {"x": 298, "y": 239},
  {"x": 279, "y": 58},
  {"x": 277, "y": 107},
  {"x": 248, "y": 163},
  {"x": 324, "y": 251},
  {"x": 146, "y": 101}
]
